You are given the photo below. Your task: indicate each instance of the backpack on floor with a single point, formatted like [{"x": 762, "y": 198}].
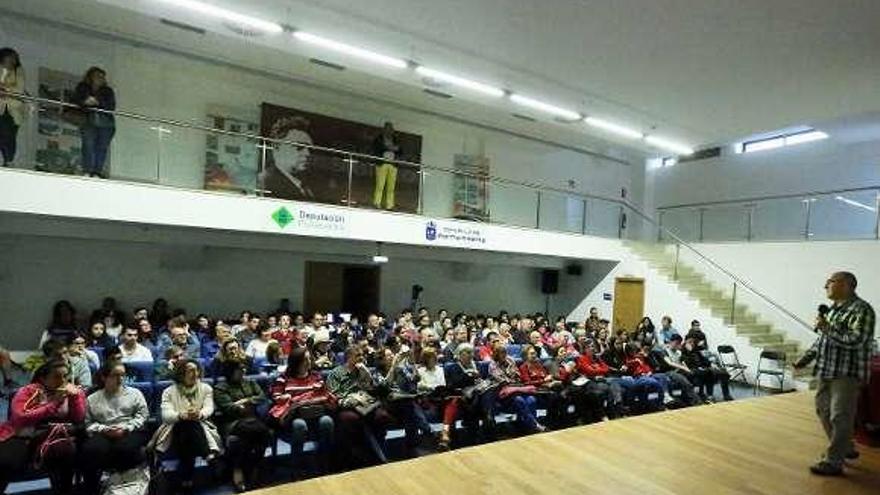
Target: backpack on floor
[{"x": 135, "y": 481}]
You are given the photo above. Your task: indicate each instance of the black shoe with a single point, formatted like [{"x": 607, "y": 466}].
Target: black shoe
[
  {"x": 825, "y": 468},
  {"x": 852, "y": 455}
]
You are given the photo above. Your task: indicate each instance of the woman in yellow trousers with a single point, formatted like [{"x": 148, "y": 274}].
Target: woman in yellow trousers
[{"x": 386, "y": 146}]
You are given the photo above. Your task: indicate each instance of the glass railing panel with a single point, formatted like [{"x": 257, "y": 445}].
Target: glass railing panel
[
  {"x": 438, "y": 193},
  {"x": 374, "y": 184},
  {"x": 851, "y": 215},
  {"x": 513, "y": 204},
  {"x": 232, "y": 162},
  {"x": 683, "y": 223},
  {"x": 561, "y": 212},
  {"x": 779, "y": 219},
  {"x": 603, "y": 218},
  {"x": 726, "y": 223}
]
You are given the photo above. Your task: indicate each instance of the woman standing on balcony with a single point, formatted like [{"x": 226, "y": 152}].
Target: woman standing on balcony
[
  {"x": 98, "y": 127},
  {"x": 11, "y": 110}
]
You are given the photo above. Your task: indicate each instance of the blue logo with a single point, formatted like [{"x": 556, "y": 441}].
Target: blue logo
[{"x": 431, "y": 231}]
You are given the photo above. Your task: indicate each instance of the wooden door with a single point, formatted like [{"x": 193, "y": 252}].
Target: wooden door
[
  {"x": 323, "y": 287},
  {"x": 629, "y": 303}
]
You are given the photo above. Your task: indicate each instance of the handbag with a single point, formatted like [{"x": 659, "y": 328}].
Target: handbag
[
  {"x": 510, "y": 390},
  {"x": 135, "y": 481},
  {"x": 59, "y": 443}
]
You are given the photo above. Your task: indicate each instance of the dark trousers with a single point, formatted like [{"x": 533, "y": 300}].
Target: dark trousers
[
  {"x": 246, "y": 443},
  {"x": 362, "y": 438},
  {"x": 95, "y": 144},
  {"x": 8, "y": 137},
  {"x": 17, "y": 454},
  {"x": 188, "y": 442},
  {"x": 102, "y": 453}
]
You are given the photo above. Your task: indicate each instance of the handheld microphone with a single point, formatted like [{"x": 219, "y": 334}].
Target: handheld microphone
[{"x": 823, "y": 310}]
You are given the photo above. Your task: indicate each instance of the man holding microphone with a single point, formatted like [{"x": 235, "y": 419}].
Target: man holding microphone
[{"x": 842, "y": 353}]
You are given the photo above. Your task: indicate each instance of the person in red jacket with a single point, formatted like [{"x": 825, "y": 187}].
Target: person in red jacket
[
  {"x": 533, "y": 372},
  {"x": 604, "y": 393},
  {"x": 49, "y": 398},
  {"x": 287, "y": 336},
  {"x": 645, "y": 384}
]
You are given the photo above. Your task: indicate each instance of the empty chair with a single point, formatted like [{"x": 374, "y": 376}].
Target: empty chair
[
  {"x": 771, "y": 363},
  {"x": 734, "y": 367}
]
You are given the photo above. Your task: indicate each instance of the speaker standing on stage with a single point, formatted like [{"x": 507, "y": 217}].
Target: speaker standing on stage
[{"x": 842, "y": 352}]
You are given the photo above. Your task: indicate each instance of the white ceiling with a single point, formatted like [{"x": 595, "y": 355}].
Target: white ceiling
[{"x": 699, "y": 71}]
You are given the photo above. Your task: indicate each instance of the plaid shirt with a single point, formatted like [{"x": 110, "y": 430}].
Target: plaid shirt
[{"x": 845, "y": 349}]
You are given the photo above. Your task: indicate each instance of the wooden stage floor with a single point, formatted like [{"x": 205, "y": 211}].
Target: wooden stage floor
[{"x": 753, "y": 446}]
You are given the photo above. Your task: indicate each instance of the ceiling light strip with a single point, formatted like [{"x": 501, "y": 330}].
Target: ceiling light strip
[
  {"x": 613, "y": 128},
  {"x": 460, "y": 81},
  {"x": 350, "y": 50},
  {"x": 226, "y": 15},
  {"x": 545, "y": 107}
]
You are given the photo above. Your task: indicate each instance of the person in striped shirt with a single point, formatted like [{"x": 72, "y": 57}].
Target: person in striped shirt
[{"x": 842, "y": 354}]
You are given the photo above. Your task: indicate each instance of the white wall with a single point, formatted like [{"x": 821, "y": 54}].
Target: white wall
[
  {"x": 849, "y": 159},
  {"x": 161, "y": 84},
  {"x": 793, "y": 274},
  {"x": 39, "y": 270}
]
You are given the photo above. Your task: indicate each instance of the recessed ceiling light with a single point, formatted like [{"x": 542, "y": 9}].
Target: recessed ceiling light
[
  {"x": 350, "y": 50},
  {"x": 226, "y": 15}
]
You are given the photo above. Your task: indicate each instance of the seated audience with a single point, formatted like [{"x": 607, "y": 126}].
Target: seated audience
[
  {"x": 303, "y": 405},
  {"x": 78, "y": 348},
  {"x": 645, "y": 383},
  {"x": 666, "y": 331},
  {"x": 49, "y": 400},
  {"x": 131, "y": 350},
  {"x": 532, "y": 372},
  {"x": 285, "y": 334},
  {"x": 63, "y": 325},
  {"x": 210, "y": 345},
  {"x": 115, "y": 427},
  {"x": 148, "y": 338},
  {"x": 186, "y": 430},
  {"x": 396, "y": 376},
  {"x": 704, "y": 373},
  {"x": 179, "y": 335},
  {"x": 359, "y": 410},
  {"x": 239, "y": 402},
  {"x": 322, "y": 356},
  {"x": 696, "y": 334},
  {"x": 256, "y": 349},
  {"x": 432, "y": 382},
  {"x": 98, "y": 337},
  {"x": 512, "y": 392}
]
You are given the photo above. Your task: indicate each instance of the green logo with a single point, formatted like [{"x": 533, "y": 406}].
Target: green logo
[{"x": 282, "y": 217}]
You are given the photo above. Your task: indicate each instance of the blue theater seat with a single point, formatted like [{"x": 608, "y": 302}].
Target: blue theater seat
[{"x": 141, "y": 371}]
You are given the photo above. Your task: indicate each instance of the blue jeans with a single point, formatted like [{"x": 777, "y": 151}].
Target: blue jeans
[
  {"x": 645, "y": 385},
  {"x": 526, "y": 409},
  {"x": 300, "y": 432},
  {"x": 95, "y": 143}
]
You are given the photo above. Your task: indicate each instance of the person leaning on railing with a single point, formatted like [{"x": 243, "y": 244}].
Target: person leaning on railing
[
  {"x": 11, "y": 109},
  {"x": 96, "y": 127}
]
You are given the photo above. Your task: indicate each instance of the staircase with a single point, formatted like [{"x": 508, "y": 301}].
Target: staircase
[{"x": 747, "y": 324}]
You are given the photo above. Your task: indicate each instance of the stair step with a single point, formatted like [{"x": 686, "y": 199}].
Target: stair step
[
  {"x": 753, "y": 328},
  {"x": 766, "y": 339}
]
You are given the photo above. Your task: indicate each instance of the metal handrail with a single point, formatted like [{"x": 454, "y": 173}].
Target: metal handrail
[
  {"x": 742, "y": 283},
  {"x": 623, "y": 202},
  {"x": 353, "y": 154},
  {"x": 746, "y": 201}
]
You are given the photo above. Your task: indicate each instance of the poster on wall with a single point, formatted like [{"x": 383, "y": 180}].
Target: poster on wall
[
  {"x": 471, "y": 189},
  {"x": 306, "y": 174},
  {"x": 58, "y": 144},
  {"x": 231, "y": 162}
]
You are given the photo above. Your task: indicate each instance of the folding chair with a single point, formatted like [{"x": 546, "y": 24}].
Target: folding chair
[
  {"x": 736, "y": 369},
  {"x": 777, "y": 371}
]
